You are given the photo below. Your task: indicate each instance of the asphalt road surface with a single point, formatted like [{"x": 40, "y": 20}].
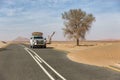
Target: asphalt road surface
[{"x": 19, "y": 62}]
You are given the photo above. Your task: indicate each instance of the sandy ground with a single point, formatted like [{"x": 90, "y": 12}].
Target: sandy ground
[
  {"x": 4, "y": 44},
  {"x": 92, "y": 53}
]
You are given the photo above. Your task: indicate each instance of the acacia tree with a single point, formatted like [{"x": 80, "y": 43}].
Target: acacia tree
[{"x": 77, "y": 24}]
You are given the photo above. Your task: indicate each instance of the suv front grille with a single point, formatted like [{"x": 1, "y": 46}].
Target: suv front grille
[{"x": 40, "y": 42}]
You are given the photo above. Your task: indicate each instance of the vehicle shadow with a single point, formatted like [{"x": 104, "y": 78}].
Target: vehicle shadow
[
  {"x": 43, "y": 48},
  {"x": 49, "y": 48}
]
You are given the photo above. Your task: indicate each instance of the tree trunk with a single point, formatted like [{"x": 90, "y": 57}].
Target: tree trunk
[{"x": 77, "y": 42}]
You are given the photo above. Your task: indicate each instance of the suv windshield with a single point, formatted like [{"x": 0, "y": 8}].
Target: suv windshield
[{"x": 38, "y": 37}]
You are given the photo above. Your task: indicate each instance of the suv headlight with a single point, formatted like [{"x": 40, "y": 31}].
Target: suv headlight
[{"x": 35, "y": 43}]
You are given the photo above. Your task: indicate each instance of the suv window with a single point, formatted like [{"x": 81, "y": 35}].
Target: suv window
[{"x": 38, "y": 37}]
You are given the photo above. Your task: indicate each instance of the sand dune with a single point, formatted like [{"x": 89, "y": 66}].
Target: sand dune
[
  {"x": 3, "y": 44},
  {"x": 100, "y": 56}
]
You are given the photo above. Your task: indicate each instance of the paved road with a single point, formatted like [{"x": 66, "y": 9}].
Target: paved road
[{"x": 18, "y": 62}]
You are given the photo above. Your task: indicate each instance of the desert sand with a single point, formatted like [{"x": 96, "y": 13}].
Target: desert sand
[
  {"x": 4, "y": 44},
  {"x": 92, "y": 53}
]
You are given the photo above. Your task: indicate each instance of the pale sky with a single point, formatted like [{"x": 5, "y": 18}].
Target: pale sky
[{"x": 22, "y": 17}]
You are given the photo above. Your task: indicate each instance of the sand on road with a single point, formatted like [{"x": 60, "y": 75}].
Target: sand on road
[{"x": 96, "y": 53}]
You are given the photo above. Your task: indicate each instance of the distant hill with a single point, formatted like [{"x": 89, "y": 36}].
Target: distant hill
[{"x": 21, "y": 39}]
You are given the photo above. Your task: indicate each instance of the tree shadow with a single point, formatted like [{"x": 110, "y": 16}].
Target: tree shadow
[{"x": 87, "y": 45}]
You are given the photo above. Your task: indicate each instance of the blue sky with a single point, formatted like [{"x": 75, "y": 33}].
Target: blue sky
[{"x": 22, "y": 17}]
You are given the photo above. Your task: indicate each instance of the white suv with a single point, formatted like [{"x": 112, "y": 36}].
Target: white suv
[{"x": 37, "y": 41}]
